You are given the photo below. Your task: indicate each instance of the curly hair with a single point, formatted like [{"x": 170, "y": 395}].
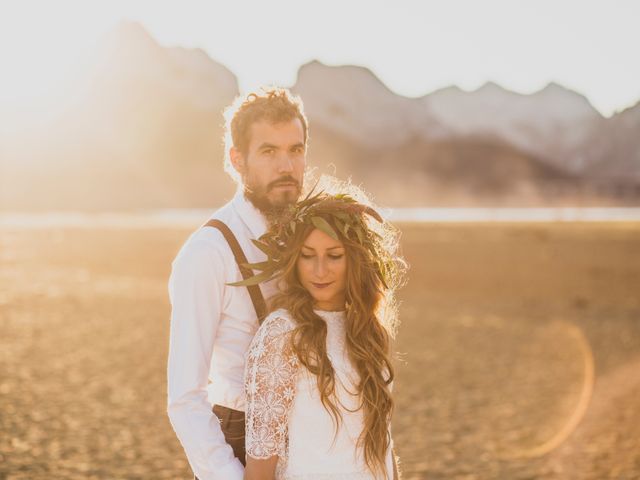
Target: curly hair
[
  {"x": 275, "y": 105},
  {"x": 371, "y": 319}
]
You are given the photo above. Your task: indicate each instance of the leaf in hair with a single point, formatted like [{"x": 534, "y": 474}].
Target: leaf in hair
[
  {"x": 264, "y": 247},
  {"x": 255, "y": 280},
  {"x": 309, "y": 200},
  {"x": 381, "y": 277},
  {"x": 372, "y": 213},
  {"x": 321, "y": 224},
  {"x": 311, "y": 191},
  {"x": 259, "y": 265}
]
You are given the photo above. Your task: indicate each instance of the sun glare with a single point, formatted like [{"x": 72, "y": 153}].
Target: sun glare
[
  {"x": 41, "y": 43},
  {"x": 40, "y": 60}
]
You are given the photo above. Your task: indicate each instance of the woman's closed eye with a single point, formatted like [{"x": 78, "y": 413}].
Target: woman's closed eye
[{"x": 332, "y": 257}]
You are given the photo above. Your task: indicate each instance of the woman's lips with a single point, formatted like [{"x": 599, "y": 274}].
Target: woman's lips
[{"x": 321, "y": 285}]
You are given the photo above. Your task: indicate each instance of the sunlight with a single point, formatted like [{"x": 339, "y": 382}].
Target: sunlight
[
  {"x": 41, "y": 59},
  {"x": 40, "y": 42}
]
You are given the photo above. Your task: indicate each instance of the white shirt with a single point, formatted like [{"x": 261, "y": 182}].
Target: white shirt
[
  {"x": 285, "y": 415},
  {"x": 212, "y": 325}
]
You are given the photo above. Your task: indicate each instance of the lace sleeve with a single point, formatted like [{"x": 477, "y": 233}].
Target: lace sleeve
[{"x": 270, "y": 378}]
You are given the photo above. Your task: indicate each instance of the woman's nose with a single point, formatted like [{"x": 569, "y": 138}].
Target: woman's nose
[{"x": 321, "y": 268}]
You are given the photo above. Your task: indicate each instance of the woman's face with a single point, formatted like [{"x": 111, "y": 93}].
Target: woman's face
[{"x": 322, "y": 270}]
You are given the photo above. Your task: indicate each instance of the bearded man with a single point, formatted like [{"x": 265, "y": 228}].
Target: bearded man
[{"x": 213, "y": 323}]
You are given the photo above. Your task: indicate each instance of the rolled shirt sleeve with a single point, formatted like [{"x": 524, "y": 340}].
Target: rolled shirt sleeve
[{"x": 196, "y": 291}]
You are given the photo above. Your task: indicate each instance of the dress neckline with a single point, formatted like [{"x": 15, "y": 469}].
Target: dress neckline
[{"x": 331, "y": 314}]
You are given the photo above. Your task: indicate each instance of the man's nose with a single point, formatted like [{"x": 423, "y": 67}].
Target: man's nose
[{"x": 285, "y": 165}]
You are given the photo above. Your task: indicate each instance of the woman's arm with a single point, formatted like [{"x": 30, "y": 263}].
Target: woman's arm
[
  {"x": 270, "y": 376},
  {"x": 260, "y": 469}
]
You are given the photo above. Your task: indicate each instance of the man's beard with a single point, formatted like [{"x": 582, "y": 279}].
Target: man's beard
[{"x": 258, "y": 196}]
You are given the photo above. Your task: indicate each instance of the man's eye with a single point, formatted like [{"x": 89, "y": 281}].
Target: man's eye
[{"x": 268, "y": 151}]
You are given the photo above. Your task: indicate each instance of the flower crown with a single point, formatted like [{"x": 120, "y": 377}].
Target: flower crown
[{"x": 345, "y": 214}]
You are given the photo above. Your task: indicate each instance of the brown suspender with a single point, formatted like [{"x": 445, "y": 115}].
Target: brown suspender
[{"x": 254, "y": 290}]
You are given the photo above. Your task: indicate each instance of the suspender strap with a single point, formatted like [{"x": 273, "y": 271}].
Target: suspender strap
[{"x": 254, "y": 290}]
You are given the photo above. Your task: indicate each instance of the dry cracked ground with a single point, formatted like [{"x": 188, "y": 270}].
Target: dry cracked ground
[{"x": 518, "y": 353}]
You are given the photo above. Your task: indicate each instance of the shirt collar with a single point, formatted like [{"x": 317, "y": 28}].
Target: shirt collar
[{"x": 249, "y": 214}]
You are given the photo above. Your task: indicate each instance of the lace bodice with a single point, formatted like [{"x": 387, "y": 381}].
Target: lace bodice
[{"x": 284, "y": 414}]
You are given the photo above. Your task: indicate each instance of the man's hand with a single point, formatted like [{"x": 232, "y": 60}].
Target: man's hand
[{"x": 396, "y": 470}]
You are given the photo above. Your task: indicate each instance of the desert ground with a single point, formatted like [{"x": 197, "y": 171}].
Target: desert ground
[{"x": 518, "y": 356}]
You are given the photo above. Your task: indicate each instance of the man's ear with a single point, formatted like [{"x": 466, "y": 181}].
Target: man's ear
[{"x": 237, "y": 160}]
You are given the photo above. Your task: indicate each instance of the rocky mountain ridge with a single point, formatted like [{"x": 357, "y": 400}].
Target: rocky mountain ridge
[{"x": 145, "y": 131}]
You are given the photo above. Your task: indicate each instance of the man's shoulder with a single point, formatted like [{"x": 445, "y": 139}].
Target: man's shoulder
[
  {"x": 228, "y": 215},
  {"x": 207, "y": 238},
  {"x": 225, "y": 213},
  {"x": 204, "y": 241}
]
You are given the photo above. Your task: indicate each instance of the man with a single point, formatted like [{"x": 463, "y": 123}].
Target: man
[{"x": 213, "y": 323}]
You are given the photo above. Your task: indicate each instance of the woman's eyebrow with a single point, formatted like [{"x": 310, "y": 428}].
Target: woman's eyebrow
[{"x": 330, "y": 248}]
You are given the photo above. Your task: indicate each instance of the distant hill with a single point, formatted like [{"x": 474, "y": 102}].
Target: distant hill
[
  {"x": 555, "y": 124},
  {"x": 143, "y": 129}
]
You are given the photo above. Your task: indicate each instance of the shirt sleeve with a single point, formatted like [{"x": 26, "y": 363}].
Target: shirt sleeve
[
  {"x": 270, "y": 380},
  {"x": 196, "y": 289}
]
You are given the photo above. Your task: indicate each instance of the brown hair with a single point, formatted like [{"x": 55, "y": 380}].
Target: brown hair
[
  {"x": 275, "y": 105},
  {"x": 368, "y": 330}
]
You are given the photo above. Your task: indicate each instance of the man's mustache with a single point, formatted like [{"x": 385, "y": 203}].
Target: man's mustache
[{"x": 287, "y": 179}]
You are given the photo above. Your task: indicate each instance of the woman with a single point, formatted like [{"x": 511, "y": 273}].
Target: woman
[{"x": 318, "y": 375}]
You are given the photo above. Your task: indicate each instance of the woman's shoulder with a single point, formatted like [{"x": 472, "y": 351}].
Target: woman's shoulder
[
  {"x": 274, "y": 332},
  {"x": 279, "y": 320}
]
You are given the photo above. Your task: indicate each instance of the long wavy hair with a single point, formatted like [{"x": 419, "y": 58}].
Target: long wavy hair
[{"x": 370, "y": 325}]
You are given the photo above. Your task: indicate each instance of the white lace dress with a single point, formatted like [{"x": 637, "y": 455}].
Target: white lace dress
[{"x": 285, "y": 416}]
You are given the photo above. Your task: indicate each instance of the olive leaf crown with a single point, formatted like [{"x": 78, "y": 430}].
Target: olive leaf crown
[{"x": 327, "y": 213}]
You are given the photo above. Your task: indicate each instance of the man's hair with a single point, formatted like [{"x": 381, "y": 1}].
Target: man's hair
[{"x": 275, "y": 105}]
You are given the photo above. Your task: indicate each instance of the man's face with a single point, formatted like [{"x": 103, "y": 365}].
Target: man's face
[{"x": 273, "y": 166}]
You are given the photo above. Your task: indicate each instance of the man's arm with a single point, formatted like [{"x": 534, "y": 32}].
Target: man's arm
[
  {"x": 396, "y": 469},
  {"x": 196, "y": 289}
]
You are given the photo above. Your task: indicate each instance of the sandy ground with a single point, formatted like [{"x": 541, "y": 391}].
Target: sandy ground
[{"x": 518, "y": 353}]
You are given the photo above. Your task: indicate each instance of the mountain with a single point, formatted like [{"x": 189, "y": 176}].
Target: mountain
[
  {"x": 352, "y": 101},
  {"x": 141, "y": 127},
  {"x": 129, "y": 55},
  {"x": 615, "y": 149},
  {"x": 555, "y": 126},
  {"x": 553, "y": 123},
  {"x": 444, "y": 172}
]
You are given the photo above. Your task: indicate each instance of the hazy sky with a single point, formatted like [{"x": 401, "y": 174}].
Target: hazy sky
[{"x": 414, "y": 47}]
